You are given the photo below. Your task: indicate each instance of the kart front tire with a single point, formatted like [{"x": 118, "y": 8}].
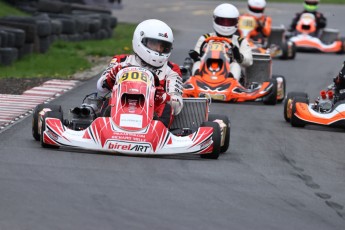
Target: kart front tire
[
  {"x": 271, "y": 98},
  {"x": 288, "y": 103},
  {"x": 226, "y": 120},
  {"x": 342, "y": 51},
  {"x": 283, "y": 94},
  {"x": 295, "y": 121},
  {"x": 35, "y": 117},
  {"x": 52, "y": 114},
  {"x": 216, "y": 138}
]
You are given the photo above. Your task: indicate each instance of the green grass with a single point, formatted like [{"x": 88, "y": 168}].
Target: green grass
[
  {"x": 6, "y": 9},
  {"x": 66, "y": 58}
]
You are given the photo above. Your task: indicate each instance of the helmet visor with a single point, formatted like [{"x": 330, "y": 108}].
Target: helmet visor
[
  {"x": 310, "y": 8},
  {"x": 311, "y": 5},
  {"x": 157, "y": 45},
  {"x": 311, "y": 2},
  {"x": 256, "y": 9},
  {"x": 226, "y": 21}
]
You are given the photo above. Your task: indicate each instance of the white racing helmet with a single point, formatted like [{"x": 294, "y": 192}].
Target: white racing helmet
[
  {"x": 256, "y": 7},
  {"x": 152, "y": 42},
  {"x": 225, "y": 19}
]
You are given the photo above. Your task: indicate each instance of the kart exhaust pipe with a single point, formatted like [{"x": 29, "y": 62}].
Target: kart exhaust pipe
[
  {"x": 85, "y": 111},
  {"x": 330, "y": 95},
  {"x": 323, "y": 94},
  {"x": 76, "y": 111}
]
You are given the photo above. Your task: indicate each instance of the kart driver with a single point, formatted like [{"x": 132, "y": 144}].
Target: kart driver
[
  {"x": 263, "y": 22},
  {"x": 152, "y": 44},
  {"x": 310, "y": 6},
  {"x": 339, "y": 85},
  {"x": 225, "y": 20}
]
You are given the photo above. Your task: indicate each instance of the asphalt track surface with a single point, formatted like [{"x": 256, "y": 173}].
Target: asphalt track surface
[{"x": 273, "y": 176}]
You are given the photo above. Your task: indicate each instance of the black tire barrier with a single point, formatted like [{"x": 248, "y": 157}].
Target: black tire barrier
[
  {"x": 11, "y": 39},
  {"x": 30, "y": 29},
  {"x": 19, "y": 35},
  {"x": 81, "y": 26},
  {"x": 91, "y": 9},
  {"x": 4, "y": 39},
  {"x": 68, "y": 26},
  {"x": 44, "y": 28},
  {"x": 52, "y": 21},
  {"x": 26, "y": 49},
  {"x": 113, "y": 22},
  {"x": 53, "y": 7},
  {"x": 8, "y": 55},
  {"x": 94, "y": 25},
  {"x": 44, "y": 44},
  {"x": 56, "y": 26}
]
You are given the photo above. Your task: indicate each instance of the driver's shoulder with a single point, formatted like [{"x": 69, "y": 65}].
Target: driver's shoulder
[
  {"x": 207, "y": 35},
  {"x": 121, "y": 57}
]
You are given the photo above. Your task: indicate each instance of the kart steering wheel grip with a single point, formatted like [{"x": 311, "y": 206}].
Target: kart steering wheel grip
[{"x": 194, "y": 55}]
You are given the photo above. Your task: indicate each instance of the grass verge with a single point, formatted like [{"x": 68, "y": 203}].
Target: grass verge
[
  {"x": 6, "y": 9},
  {"x": 66, "y": 58}
]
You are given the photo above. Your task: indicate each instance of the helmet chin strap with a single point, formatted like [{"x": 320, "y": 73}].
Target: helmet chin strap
[
  {"x": 145, "y": 64},
  {"x": 219, "y": 35}
]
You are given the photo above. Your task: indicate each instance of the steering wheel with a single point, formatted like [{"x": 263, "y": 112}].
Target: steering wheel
[{"x": 213, "y": 38}]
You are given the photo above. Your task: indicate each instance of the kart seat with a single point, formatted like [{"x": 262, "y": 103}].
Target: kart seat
[
  {"x": 132, "y": 101},
  {"x": 214, "y": 64}
]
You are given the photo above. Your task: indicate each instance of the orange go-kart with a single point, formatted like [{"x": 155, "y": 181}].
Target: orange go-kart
[
  {"x": 275, "y": 45},
  {"x": 215, "y": 79},
  {"x": 306, "y": 38},
  {"x": 327, "y": 110}
]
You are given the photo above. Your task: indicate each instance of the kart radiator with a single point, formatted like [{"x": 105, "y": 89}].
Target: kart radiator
[
  {"x": 328, "y": 35},
  {"x": 276, "y": 37},
  {"x": 193, "y": 113},
  {"x": 261, "y": 70}
]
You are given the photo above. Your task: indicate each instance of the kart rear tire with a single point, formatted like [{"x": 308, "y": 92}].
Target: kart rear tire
[
  {"x": 271, "y": 98},
  {"x": 216, "y": 138},
  {"x": 293, "y": 51},
  {"x": 226, "y": 120},
  {"x": 35, "y": 133},
  {"x": 285, "y": 51},
  {"x": 295, "y": 121},
  {"x": 342, "y": 51},
  {"x": 53, "y": 114},
  {"x": 279, "y": 100},
  {"x": 288, "y": 100}
]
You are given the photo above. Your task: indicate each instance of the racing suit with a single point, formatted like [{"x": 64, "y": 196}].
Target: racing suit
[
  {"x": 263, "y": 27},
  {"x": 339, "y": 84},
  {"x": 168, "y": 100},
  {"x": 321, "y": 21},
  {"x": 242, "y": 54}
]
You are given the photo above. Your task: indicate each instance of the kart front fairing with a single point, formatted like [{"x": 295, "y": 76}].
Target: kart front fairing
[
  {"x": 308, "y": 42},
  {"x": 130, "y": 129},
  {"x": 104, "y": 135},
  {"x": 229, "y": 90},
  {"x": 307, "y": 113}
]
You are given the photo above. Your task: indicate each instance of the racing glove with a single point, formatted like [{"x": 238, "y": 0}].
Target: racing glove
[
  {"x": 236, "y": 52},
  {"x": 109, "y": 80},
  {"x": 161, "y": 96},
  {"x": 260, "y": 26},
  {"x": 106, "y": 84}
]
